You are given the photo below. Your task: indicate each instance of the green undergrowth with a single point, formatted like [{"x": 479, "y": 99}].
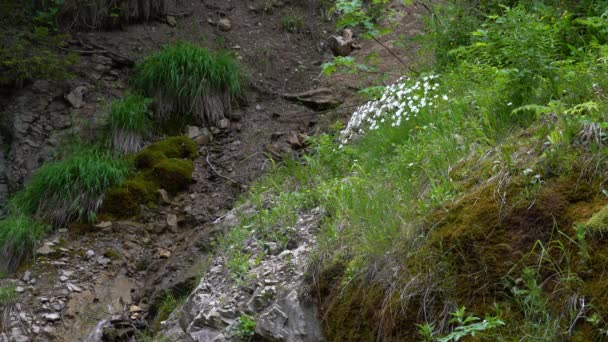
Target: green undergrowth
[
  {"x": 186, "y": 79},
  {"x": 29, "y": 45},
  {"x": 166, "y": 164},
  {"x": 129, "y": 123},
  {"x": 490, "y": 194}
]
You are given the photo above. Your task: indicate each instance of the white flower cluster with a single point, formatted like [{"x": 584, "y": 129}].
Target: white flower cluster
[{"x": 400, "y": 102}]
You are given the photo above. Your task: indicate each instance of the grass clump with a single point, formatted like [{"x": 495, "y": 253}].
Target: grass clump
[
  {"x": 72, "y": 188},
  {"x": 19, "y": 236},
  {"x": 293, "y": 22},
  {"x": 8, "y": 295},
  {"x": 598, "y": 223},
  {"x": 187, "y": 79},
  {"x": 129, "y": 123}
]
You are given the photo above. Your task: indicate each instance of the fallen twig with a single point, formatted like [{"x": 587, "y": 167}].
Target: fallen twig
[
  {"x": 217, "y": 173},
  {"x": 116, "y": 57}
]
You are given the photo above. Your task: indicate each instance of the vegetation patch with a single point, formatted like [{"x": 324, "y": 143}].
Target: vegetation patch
[
  {"x": 129, "y": 122},
  {"x": 71, "y": 189},
  {"x": 19, "y": 236},
  {"x": 187, "y": 79},
  {"x": 166, "y": 164},
  {"x": 99, "y": 14},
  {"x": 29, "y": 42}
]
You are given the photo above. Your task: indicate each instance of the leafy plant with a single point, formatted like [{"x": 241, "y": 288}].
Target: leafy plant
[
  {"x": 187, "y": 79},
  {"x": 245, "y": 327}
]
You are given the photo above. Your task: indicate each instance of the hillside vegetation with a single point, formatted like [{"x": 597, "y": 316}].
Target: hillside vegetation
[{"x": 468, "y": 200}]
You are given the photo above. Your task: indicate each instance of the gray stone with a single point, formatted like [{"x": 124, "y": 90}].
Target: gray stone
[
  {"x": 27, "y": 276},
  {"x": 223, "y": 124},
  {"x": 172, "y": 222},
  {"x": 52, "y": 317},
  {"x": 164, "y": 196},
  {"x": 103, "y": 261},
  {"x": 194, "y": 132},
  {"x": 90, "y": 253},
  {"x": 19, "y": 289},
  {"x": 224, "y": 24},
  {"x": 46, "y": 249},
  {"x": 63, "y": 278},
  {"x": 73, "y": 288},
  {"x": 289, "y": 320},
  {"x": 75, "y": 97}
]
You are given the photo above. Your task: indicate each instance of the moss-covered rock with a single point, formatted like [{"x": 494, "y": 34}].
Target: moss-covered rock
[
  {"x": 147, "y": 158},
  {"x": 119, "y": 202},
  {"x": 165, "y": 164},
  {"x": 174, "y": 174}
]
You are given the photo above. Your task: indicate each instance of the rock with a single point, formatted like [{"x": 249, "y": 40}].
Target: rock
[
  {"x": 64, "y": 278},
  {"x": 172, "y": 222},
  {"x": 45, "y": 250},
  {"x": 224, "y": 24},
  {"x": 317, "y": 99},
  {"x": 344, "y": 45},
  {"x": 295, "y": 140},
  {"x": 171, "y": 21},
  {"x": 19, "y": 289},
  {"x": 90, "y": 253},
  {"x": 43, "y": 300},
  {"x": 103, "y": 261},
  {"x": 75, "y": 97},
  {"x": 103, "y": 225},
  {"x": 135, "y": 308},
  {"x": 67, "y": 273},
  {"x": 52, "y": 317},
  {"x": 73, "y": 288},
  {"x": 27, "y": 276},
  {"x": 165, "y": 254},
  {"x": 164, "y": 196},
  {"x": 194, "y": 132},
  {"x": 223, "y": 124},
  {"x": 204, "y": 140},
  {"x": 290, "y": 320}
]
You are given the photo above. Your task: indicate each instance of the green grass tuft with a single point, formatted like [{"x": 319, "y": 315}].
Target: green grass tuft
[
  {"x": 18, "y": 237},
  {"x": 72, "y": 188},
  {"x": 293, "y": 22},
  {"x": 187, "y": 79},
  {"x": 129, "y": 123}
]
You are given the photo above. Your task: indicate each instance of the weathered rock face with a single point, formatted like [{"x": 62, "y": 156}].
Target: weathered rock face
[
  {"x": 276, "y": 295},
  {"x": 35, "y": 120}
]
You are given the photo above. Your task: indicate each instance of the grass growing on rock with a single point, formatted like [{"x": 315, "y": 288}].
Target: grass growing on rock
[
  {"x": 129, "y": 122},
  {"x": 72, "y": 188},
  {"x": 187, "y": 79}
]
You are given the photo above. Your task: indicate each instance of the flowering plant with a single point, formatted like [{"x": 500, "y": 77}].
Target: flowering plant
[{"x": 398, "y": 104}]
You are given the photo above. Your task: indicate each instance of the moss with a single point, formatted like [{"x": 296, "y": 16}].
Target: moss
[
  {"x": 119, "y": 202},
  {"x": 173, "y": 174},
  {"x": 597, "y": 225},
  {"x": 143, "y": 189},
  {"x": 112, "y": 254},
  {"x": 147, "y": 158}
]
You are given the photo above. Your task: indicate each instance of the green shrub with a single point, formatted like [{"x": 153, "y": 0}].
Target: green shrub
[
  {"x": 187, "y": 79},
  {"x": 18, "y": 238},
  {"x": 293, "y": 21},
  {"x": 129, "y": 123},
  {"x": 72, "y": 188}
]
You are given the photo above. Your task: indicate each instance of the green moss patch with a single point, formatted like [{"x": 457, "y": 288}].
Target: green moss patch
[
  {"x": 165, "y": 164},
  {"x": 598, "y": 223}
]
